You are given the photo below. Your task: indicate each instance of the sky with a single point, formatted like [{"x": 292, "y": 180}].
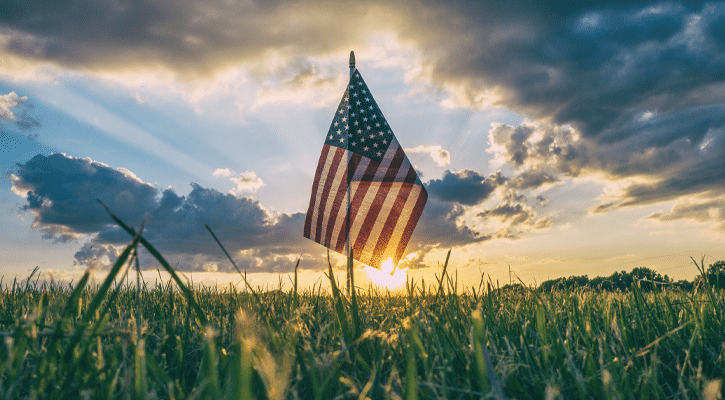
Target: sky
[{"x": 554, "y": 139}]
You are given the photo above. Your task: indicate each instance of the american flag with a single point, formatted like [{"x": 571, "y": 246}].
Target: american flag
[{"x": 387, "y": 197}]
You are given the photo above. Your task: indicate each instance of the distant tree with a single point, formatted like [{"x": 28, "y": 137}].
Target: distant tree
[
  {"x": 565, "y": 283},
  {"x": 648, "y": 278},
  {"x": 716, "y": 274}
]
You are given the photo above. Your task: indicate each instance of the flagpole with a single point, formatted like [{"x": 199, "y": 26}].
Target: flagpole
[{"x": 349, "y": 183}]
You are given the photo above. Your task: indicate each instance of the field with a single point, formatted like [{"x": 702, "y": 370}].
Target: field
[{"x": 116, "y": 340}]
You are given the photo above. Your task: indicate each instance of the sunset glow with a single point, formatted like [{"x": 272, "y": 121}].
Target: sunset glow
[{"x": 383, "y": 278}]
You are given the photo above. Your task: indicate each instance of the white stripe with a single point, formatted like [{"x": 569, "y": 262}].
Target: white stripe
[
  {"x": 403, "y": 171},
  {"x": 405, "y": 214},
  {"x": 362, "y": 212},
  {"x": 340, "y": 178},
  {"x": 387, "y": 160},
  {"x": 362, "y": 166},
  {"x": 377, "y": 229},
  {"x": 320, "y": 189}
]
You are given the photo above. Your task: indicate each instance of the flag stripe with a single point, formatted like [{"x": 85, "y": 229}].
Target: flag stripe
[
  {"x": 329, "y": 182},
  {"x": 338, "y": 233},
  {"x": 340, "y": 203},
  {"x": 386, "y": 236},
  {"x": 339, "y": 206},
  {"x": 361, "y": 193},
  {"x": 421, "y": 196},
  {"x": 376, "y": 236},
  {"x": 369, "y": 220},
  {"x": 322, "y": 167},
  {"x": 377, "y": 199}
]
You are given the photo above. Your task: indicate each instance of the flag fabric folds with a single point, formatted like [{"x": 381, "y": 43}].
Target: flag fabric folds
[{"x": 386, "y": 195}]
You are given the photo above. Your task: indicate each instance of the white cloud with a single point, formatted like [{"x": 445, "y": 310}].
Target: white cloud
[
  {"x": 439, "y": 155},
  {"x": 225, "y": 172},
  {"x": 246, "y": 182},
  {"x": 8, "y": 101}
]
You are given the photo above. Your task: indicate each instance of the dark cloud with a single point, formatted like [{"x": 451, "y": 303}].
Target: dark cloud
[
  {"x": 466, "y": 187},
  {"x": 515, "y": 213},
  {"x": 629, "y": 89},
  {"x": 188, "y": 36},
  {"x": 518, "y": 216},
  {"x": 711, "y": 211},
  {"x": 62, "y": 193},
  {"x": 441, "y": 225}
]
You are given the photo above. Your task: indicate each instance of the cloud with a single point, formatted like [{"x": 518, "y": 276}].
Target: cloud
[
  {"x": 61, "y": 191},
  {"x": 198, "y": 37},
  {"x": 709, "y": 211},
  {"x": 440, "y": 156},
  {"x": 10, "y": 104},
  {"x": 246, "y": 182},
  {"x": 8, "y": 101},
  {"x": 466, "y": 187}
]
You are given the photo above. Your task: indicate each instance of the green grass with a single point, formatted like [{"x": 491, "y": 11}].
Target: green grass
[{"x": 170, "y": 341}]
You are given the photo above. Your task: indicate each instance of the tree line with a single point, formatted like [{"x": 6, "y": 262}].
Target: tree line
[{"x": 646, "y": 278}]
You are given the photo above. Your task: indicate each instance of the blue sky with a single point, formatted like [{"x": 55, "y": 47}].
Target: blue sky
[{"x": 553, "y": 140}]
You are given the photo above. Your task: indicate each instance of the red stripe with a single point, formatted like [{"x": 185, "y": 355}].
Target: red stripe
[
  {"x": 394, "y": 167},
  {"x": 329, "y": 180},
  {"x": 378, "y": 202},
  {"x": 371, "y": 216},
  {"x": 392, "y": 221},
  {"x": 356, "y": 202},
  {"x": 337, "y": 205},
  {"x": 410, "y": 225},
  {"x": 315, "y": 185}
]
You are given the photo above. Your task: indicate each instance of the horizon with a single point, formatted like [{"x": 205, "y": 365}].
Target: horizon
[{"x": 555, "y": 141}]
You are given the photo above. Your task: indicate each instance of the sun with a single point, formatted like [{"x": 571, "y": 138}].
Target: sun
[{"x": 382, "y": 277}]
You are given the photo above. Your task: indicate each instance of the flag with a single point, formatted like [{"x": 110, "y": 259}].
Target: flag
[{"x": 386, "y": 195}]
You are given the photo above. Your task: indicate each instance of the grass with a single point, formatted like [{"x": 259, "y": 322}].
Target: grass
[{"x": 169, "y": 341}]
